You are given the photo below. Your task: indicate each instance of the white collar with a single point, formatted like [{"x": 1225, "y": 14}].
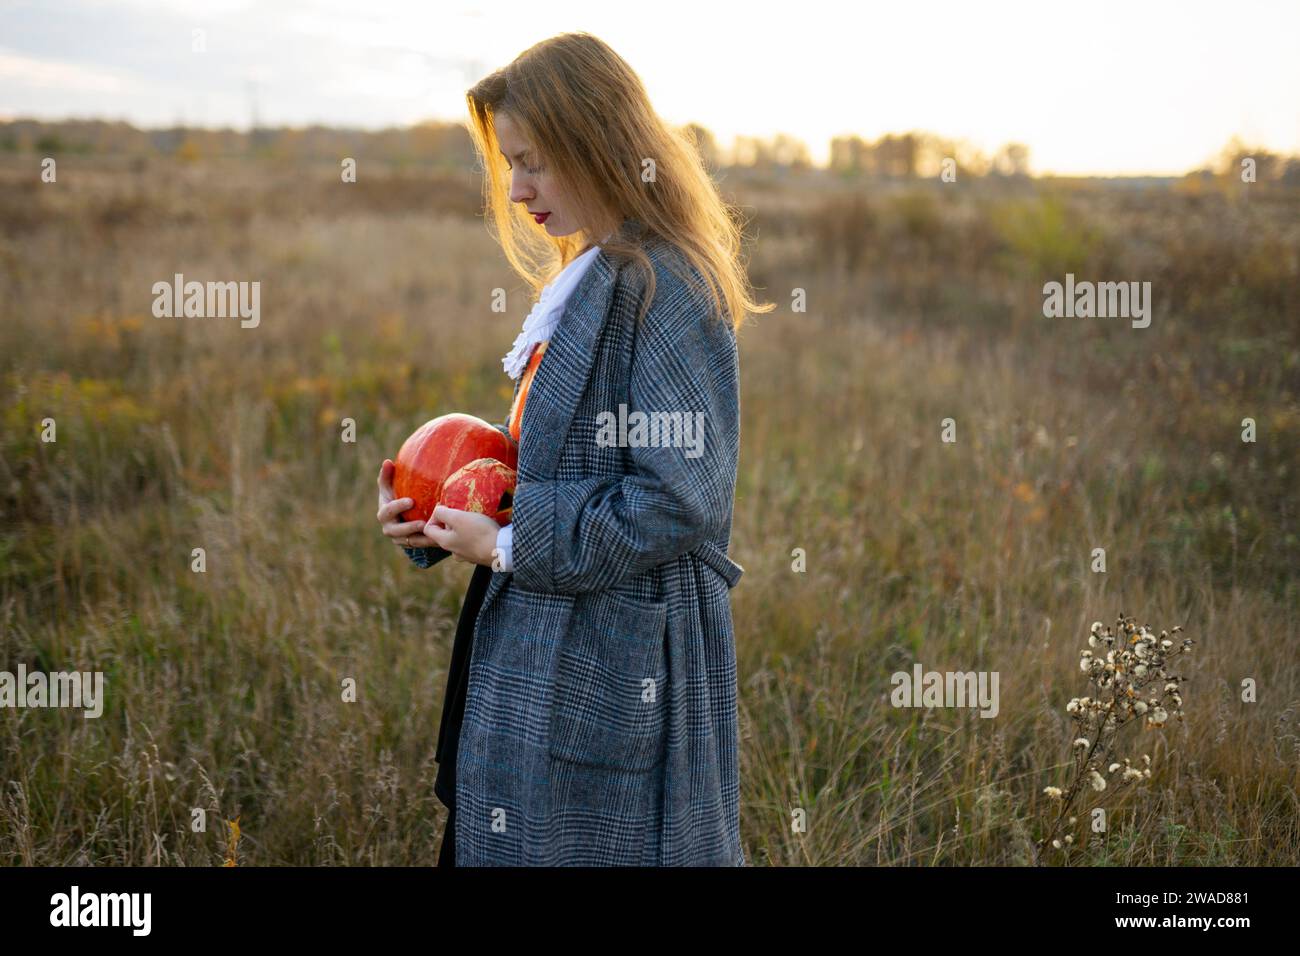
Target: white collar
[{"x": 546, "y": 313}]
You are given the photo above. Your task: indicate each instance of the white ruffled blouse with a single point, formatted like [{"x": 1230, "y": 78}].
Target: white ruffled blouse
[{"x": 545, "y": 315}]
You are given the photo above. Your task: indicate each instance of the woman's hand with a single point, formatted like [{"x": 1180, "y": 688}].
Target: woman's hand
[
  {"x": 470, "y": 536},
  {"x": 405, "y": 534}
]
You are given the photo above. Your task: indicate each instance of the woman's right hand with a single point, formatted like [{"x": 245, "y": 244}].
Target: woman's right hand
[{"x": 405, "y": 534}]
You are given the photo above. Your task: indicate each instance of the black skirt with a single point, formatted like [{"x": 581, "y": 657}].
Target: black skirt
[{"x": 453, "y": 707}]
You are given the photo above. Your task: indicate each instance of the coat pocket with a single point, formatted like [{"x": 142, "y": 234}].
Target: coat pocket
[{"x": 611, "y": 703}]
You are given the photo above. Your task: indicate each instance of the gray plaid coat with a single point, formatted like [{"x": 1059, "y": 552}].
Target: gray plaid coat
[{"x": 600, "y": 721}]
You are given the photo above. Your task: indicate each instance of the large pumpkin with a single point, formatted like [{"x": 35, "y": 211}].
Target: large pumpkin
[{"x": 437, "y": 449}]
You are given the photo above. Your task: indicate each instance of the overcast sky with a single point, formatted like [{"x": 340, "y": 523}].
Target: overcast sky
[{"x": 1092, "y": 87}]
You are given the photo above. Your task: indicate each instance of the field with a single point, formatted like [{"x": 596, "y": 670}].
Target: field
[{"x": 924, "y": 303}]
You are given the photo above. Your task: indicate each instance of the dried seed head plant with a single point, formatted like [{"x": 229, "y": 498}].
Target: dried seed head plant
[
  {"x": 1128, "y": 670},
  {"x": 232, "y": 843}
]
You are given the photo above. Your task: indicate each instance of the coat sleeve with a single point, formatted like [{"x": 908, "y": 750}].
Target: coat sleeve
[
  {"x": 589, "y": 534},
  {"x": 428, "y": 557}
]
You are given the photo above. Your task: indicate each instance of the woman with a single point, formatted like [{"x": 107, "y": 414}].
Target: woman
[{"x": 598, "y": 719}]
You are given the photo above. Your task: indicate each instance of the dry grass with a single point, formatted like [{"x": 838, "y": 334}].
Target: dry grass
[{"x": 224, "y": 687}]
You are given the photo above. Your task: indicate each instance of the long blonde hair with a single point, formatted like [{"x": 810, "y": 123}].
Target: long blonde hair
[{"x": 585, "y": 113}]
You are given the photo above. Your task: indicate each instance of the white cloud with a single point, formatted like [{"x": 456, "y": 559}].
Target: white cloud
[
  {"x": 54, "y": 75},
  {"x": 1109, "y": 87}
]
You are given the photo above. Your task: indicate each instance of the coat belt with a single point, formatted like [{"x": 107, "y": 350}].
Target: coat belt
[{"x": 716, "y": 558}]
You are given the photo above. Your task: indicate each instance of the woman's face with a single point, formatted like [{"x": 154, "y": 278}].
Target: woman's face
[{"x": 531, "y": 183}]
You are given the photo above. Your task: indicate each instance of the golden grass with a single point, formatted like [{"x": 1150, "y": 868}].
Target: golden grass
[{"x": 224, "y": 687}]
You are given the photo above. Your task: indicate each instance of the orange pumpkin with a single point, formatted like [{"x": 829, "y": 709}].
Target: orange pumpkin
[
  {"x": 436, "y": 450},
  {"x": 485, "y": 486}
]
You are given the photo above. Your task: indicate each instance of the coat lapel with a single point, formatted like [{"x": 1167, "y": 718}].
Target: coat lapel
[{"x": 560, "y": 380}]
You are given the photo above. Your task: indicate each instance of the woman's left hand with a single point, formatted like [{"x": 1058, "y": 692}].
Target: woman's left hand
[{"x": 469, "y": 536}]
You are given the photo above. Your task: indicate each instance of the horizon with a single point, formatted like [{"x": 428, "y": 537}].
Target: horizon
[{"x": 724, "y": 148}]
